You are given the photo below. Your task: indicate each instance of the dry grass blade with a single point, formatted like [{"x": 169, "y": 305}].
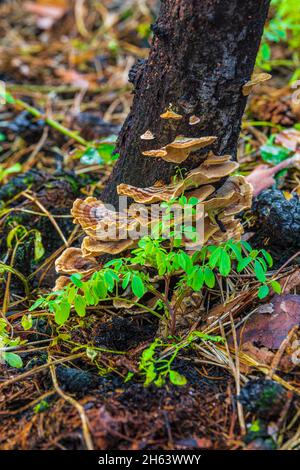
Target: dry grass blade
[{"x": 85, "y": 423}]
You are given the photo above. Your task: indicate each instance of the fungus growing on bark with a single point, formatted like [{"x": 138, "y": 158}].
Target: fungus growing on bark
[
  {"x": 60, "y": 283},
  {"x": 169, "y": 114},
  {"x": 204, "y": 174},
  {"x": 232, "y": 229},
  {"x": 179, "y": 150},
  {"x": 245, "y": 194},
  {"x": 91, "y": 247},
  {"x": 147, "y": 135},
  {"x": 255, "y": 80},
  {"x": 207, "y": 173},
  {"x": 201, "y": 193},
  {"x": 193, "y": 120},
  {"x": 159, "y": 153},
  {"x": 72, "y": 261},
  {"x": 152, "y": 194},
  {"x": 99, "y": 222},
  {"x": 213, "y": 159},
  {"x": 209, "y": 229},
  {"x": 234, "y": 196}
]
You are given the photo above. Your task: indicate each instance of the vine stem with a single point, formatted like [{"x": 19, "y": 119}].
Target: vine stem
[{"x": 171, "y": 311}]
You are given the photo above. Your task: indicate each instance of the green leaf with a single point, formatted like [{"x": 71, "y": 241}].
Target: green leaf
[
  {"x": 160, "y": 381},
  {"x": 161, "y": 263},
  {"x": 109, "y": 279},
  {"x": 17, "y": 232},
  {"x": 209, "y": 278},
  {"x": 185, "y": 262},
  {"x": 41, "y": 406},
  {"x": 236, "y": 248},
  {"x": 177, "y": 242},
  {"x": 106, "y": 149},
  {"x": 246, "y": 245},
  {"x": 276, "y": 287},
  {"x": 76, "y": 279},
  {"x": 126, "y": 280},
  {"x": 137, "y": 286},
  {"x": 274, "y": 153},
  {"x": 225, "y": 264},
  {"x": 128, "y": 376},
  {"x": 100, "y": 288},
  {"x": 13, "y": 360},
  {"x": 197, "y": 280},
  {"x": 62, "y": 312},
  {"x": 80, "y": 305},
  {"x": 91, "y": 353},
  {"x": 193, "y": 200},
  {"x": 37, "y": 304},
  {"x": 71, "y": 294},
  {"x": 214, "y": 257},
  {"x": 263, "y": 263},
  {"x": 206, "y": 337},
  {"x": 88, "y": 294},
  {"x": 150, "y": 375},
  {"x": 266, "y": 52},
  {"x": 268, "y": 257},
  {"x": 176, "y": 378},
  {"x": 259, "y": 271},
  {"x": 26, "y": 322},
  {"x": 91, "y": 156},
  {"x": 13, "y": 169},
  {"x": 263, "y": 291},
  {"x": 243, "y": 263},
  {"x": 39, "y": 250},
  {"x": 116, "y": 263},
  {"x": 253, "y": 254},
  {"x": 148, "y": 354}
]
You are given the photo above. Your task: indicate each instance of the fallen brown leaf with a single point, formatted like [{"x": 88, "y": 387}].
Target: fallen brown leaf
[
  {"x": 47, "y": 12},
  {"x": 289, "y": 138},
  {"x": 270, "y": 329}
]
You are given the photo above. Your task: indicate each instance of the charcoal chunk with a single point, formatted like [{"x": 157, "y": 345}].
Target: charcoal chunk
[
  {"x": 265, "y": 398},
  {"x": 278, "y": 218}
]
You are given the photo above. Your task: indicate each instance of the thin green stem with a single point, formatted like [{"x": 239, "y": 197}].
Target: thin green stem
[{"x": 52, "y": 123}]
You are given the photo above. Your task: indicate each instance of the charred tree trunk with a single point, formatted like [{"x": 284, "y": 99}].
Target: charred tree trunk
[{"x": 203, "y": 52}]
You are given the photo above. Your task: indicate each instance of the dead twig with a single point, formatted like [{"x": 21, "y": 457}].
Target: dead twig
[{"x": 84, "y": 420}]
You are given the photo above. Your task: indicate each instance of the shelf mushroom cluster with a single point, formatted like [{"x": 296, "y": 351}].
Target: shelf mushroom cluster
[{"x": 105, "y": 228}]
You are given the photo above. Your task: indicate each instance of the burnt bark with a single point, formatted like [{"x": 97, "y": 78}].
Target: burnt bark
[{"x": 202, "y": 54}]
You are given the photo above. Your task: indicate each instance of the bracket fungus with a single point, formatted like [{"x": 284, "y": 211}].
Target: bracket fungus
[
  {"x": 193, "y": 120},
  {"x": 202, "y": 175},
  {"x": 179, "y": 150},
  {"x": 207, "y": 173},
  {"x": 232, "y": 229},
  {"x": 60, "y": 283},
  {"x": 99, "y": 222},
  {"x": 220, "y": 205},
  {"x": 213, "y": 159},
  {"x": 255, "y": 80},
  {"x": 202, "y": 192},
  {"x": 147, "y": 135},
  {"x": 152, "y": 194},
  {"x": 217, "y": 208},
  {"x": 169, "y": 114},
  {"x": 72, "y": 261},
  {"x": 234, "y": 196},
  {"x": 91, "y": 247}
]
